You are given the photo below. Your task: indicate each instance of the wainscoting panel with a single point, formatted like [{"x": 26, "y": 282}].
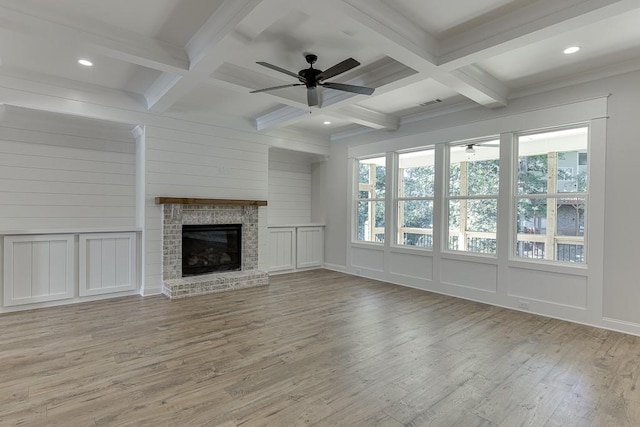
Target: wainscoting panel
[
  {"x": 415, "y": 266},
  {"x": 553, "y": 288},
  {"x": 38, "y": 268},
  {"x": 107, "y": 263},
  {"x": 371, "y": 259},
  {"x": 282, "y": 249},
  {"x": 469, "y": 274}
]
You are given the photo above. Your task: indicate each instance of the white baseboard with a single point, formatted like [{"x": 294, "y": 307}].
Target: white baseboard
[
  {"x": 336, "y": 267},
  {"x": 146, "y": 292}
]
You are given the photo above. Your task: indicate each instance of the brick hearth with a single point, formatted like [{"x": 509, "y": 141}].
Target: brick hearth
[{"x": 175, "y": 215}]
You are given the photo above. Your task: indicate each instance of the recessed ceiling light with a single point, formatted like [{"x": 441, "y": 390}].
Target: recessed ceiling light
[
  {"x": 326, "y": 122},
  {"x": 570, "y": 50},
  {"x": 85, "y": 62}
]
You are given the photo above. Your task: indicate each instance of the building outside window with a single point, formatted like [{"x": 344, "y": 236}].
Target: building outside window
[
  {"x": 370, "y": 215},
  {"x": 472, "y": 197},
  {"x": 552, "y": 193},
  {"x": 416, "y": 191}
]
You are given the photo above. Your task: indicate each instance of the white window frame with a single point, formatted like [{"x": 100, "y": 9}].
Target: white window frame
[
  {"x": 374, "y": 200},
  {"x": 447, "y": 198},
  {"x": 554, "y": 239},
  {"x": 397, "y": 198}
]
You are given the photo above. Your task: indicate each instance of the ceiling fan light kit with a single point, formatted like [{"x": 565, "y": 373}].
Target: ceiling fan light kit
[{"x": 312, "y": 78}]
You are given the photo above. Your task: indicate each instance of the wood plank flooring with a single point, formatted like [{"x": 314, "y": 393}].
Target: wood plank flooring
[{"x": 313, "y": 348}]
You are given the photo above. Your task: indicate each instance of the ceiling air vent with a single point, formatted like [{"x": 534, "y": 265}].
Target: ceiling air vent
[{"x": 433, "y": 101}]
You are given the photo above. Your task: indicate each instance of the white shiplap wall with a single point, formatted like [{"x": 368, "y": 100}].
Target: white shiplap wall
[
  {"x": 65, "y": 172},
  {"x": 289, "y": 187},
  {"x": 202, "y": 165}
]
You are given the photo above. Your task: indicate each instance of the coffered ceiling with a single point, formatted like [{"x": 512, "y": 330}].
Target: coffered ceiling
[{"x": 197, "y": 58}]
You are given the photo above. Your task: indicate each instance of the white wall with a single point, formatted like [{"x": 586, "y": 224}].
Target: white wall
[
  {"x": 336, "y": 216},
  {"x": 613, "y": 303},
  {"x": 201, "y": 165},
  {"x": 60, "y": 172},
  {"x": 289, "y": 187},
  {"x": 318, "y": 192}
]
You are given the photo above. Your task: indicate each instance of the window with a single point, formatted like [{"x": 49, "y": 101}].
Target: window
[
  {"x": 472, "y": 197},
  {"x": 370, "y": 200},
  {"x": 416, "y": 190},
  {"x": 552, "y": 194}
]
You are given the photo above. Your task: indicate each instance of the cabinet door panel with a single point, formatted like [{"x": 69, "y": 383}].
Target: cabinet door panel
[
  {"x": 282, "y": 249},
  {"x": 310, "y": 247},
  {"x": 38, "y": 268},
  {"x": 107, "y": 263}
]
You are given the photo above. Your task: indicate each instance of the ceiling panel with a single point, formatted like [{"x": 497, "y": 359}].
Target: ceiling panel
[
  {"x": 315, "y": 123},
  {"x": 544, "y": 60},
  {"x": 211, "y": 100},
  {"x": 142, "y": 16},
  {"x": 437, "y": 17},
  {"x": 408, "y": 97},
  {"x": 20, "y": 52}
]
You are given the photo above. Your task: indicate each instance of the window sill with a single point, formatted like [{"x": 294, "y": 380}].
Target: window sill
[{"x": 549, "y": 266}]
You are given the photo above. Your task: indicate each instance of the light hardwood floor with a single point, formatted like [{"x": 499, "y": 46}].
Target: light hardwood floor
[{"x": 313, "y": 348}]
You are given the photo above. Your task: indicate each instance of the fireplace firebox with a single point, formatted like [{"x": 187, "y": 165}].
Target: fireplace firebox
[{"x": 211, "y": 248}]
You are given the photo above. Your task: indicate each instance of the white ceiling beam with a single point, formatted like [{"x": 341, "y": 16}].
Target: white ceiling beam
[
  {"x": 487, "y": 90},
  {"x": 211, "y": 45},
  {"x": 380, "y": 26},
  {"x": 385, "y": 29},
  {"x": 366, "y": 117},
  {"x": 93, "y": 35},
  {"x": 169, "y": 88},
  {"x": 535, "y": 22},
  {"x": 280, "y": 117}
]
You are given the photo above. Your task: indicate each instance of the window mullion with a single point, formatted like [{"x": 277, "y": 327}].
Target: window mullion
[{"x": 464, "y": 190}]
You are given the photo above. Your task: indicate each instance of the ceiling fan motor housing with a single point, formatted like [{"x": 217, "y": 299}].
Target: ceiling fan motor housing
[{"x": 308, "y": 76}]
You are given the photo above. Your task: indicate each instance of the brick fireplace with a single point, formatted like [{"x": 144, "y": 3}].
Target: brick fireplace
[{"x": 178, "y": 212}]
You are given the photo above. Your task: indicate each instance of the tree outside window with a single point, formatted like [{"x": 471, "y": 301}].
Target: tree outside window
[
  {"x": 370, "y": 201},
  {"x": 472, "y": 199},
  {"x": 416, "y": 191}
]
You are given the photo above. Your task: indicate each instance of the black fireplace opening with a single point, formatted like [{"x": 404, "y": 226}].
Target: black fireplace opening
[{"x": 210, "y": 248}]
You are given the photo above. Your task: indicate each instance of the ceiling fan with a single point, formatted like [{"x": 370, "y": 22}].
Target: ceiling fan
[{"x": 312, "y": 78}]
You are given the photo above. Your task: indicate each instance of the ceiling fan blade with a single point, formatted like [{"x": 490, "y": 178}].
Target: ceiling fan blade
[
  {"x": 282, "y": 70},
  {"x": 339, "y": 68},
  {"x": 312, "y": 96},
  {"x": 349, "y": 88},
  {"x": 276, "y": 87}
]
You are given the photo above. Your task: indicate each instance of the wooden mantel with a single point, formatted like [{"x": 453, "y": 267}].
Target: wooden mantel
[{"x": 195, "y": 201}]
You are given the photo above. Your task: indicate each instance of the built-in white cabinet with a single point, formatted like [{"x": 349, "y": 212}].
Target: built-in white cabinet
[
  {"x": 294, "y": 248},
  {"x": 309, "y": 247},
  {"x": 107, "y": 263},
  {"x": 38, "y": 268},
  {"x": 41, "y": 268},
  {"x": 282, "y": 243}
]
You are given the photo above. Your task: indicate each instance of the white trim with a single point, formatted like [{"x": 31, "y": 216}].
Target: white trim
[
  {"x": 336, "y": 267},
  {"x": 70, "y": 231},
  {"x": 505, "y": 121}
]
